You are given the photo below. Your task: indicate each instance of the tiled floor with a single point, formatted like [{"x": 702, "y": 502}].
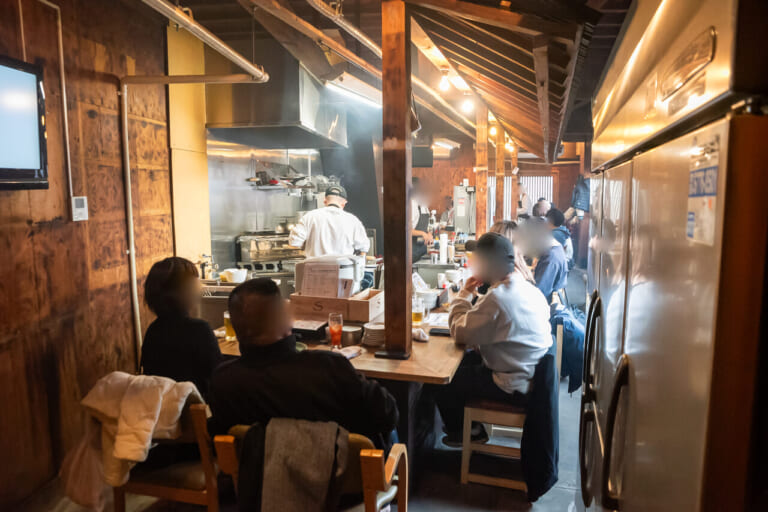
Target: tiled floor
[{"x": 438, "y": 489}]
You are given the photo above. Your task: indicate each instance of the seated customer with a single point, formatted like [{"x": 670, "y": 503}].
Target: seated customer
[
  {"x": 272, "y": 380},
  {"x": 551, "y": 272},
  {"x": 509, "y": 326},
  {"x": 175, "y": 345},
  {"x": 556, "y": 220}
]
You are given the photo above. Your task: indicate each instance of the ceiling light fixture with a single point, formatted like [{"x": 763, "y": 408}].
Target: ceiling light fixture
[
  {"x": 493, "y": 131},
  {"x": 445, "y": 83},
  {"x": 467, "y": 105}
]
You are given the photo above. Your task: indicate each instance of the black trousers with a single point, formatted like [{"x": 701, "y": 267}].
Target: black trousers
[{"x": 473, "y": 381}]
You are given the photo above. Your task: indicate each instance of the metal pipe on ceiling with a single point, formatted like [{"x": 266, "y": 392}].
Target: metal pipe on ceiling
[
  {"x": 289, "y": 18},
  {"x": 178, "y": 16},
  {"x": 339, "y": 19}
]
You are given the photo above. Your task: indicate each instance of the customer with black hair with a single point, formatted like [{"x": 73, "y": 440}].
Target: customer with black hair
[
  {"x": 556, "y": 220},
  {"x": 176, "y": 345},
  {"x": 272, "y": 380},
  {"x": 509, "y": 328}
]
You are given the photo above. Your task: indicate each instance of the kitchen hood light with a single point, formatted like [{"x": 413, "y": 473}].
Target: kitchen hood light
[
  {"x": 443, "y": 144},
  {"x": 352, "y": 94}
]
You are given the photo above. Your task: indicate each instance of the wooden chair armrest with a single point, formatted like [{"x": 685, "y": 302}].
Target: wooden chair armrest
[
  {"x": 397, "y": 462},
  {"x": 226, "y": 456},
  {"x": 378, "y": 475}
]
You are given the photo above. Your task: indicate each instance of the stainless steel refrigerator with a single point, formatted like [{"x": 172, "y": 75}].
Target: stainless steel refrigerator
[{"x": 672, "y": 410}]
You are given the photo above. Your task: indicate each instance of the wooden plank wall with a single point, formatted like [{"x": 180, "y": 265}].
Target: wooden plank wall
[
  {"x": 447, "y": 173},
  {"x": 64, "y": 288}
]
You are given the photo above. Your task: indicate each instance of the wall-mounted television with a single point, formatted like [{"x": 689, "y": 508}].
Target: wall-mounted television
[{"x": 23, "y": 159}]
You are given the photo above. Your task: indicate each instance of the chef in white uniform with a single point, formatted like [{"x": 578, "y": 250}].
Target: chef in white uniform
[{"x": 330, "y": 230}]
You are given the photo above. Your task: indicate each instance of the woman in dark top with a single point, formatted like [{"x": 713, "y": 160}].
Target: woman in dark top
[{"x": 175, "y": 345}]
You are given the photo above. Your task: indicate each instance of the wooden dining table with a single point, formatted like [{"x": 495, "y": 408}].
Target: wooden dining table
[{"x": 432, "y": 362}]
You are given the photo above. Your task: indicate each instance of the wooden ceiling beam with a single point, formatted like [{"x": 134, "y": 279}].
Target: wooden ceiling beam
[
  {"x": 518, "y": 45},
  {"x": 571, "y": 12},
  {"x": 523, "y": 79},
  {"x": 541, "y": 64},
  {"x": 524, "y": 24},
  {"x": 458, "y": 60},
  {"x": 450, "y": 36}
]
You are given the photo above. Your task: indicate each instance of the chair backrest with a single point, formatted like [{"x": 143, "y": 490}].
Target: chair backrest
[
  {"x": 198, "y": 414},
  {"x": 227, "y": 451}
]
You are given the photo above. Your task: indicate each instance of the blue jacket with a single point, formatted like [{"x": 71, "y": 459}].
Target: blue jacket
[
  {"x": 561, "y": 234},
  {"x": 572, "y": 321},
  {"x": 551, "y": 272}
]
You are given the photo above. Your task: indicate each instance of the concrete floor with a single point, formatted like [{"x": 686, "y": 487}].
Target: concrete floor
[{"x": 438, "y": 488}]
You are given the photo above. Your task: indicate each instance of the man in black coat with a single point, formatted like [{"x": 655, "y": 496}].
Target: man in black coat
[{"x": 272, "y": 380}]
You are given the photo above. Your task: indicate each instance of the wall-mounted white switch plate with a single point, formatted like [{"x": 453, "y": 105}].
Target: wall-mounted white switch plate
[{"x": 79, "y": 208}]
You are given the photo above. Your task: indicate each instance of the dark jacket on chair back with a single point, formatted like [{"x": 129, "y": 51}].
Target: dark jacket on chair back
[
  {"x": 539, "y": 448},
  {"x": 275, "y": 381}
]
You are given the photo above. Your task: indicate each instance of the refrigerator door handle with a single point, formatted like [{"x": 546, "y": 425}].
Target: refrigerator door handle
[
  {"x": 611, "y": 500},
  {"x": 590, "y": 341},
  {"x": 587, "y": 416}
]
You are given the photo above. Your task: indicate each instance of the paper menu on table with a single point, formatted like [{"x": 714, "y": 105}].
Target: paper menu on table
[
  {"x": 438, "y": 320},
  {"x": 320, "y": 280}
]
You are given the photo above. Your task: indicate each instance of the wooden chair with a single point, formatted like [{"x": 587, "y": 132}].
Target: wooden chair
[
  {"x": 380, "y": 482},
  {"x": 187, "y": 482},
  {"x": 495, "y": 413}
]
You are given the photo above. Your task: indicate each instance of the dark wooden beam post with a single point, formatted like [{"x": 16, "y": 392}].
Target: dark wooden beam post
[
  {"x": 541, "y": 67},
  {"x": 481, "y": 169},
  {"x": 396, "y": 137},
  {"x": 501, "y": 155}
]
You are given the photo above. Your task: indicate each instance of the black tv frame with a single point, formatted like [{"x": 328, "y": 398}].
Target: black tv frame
[{"x": 20, "y": 179}]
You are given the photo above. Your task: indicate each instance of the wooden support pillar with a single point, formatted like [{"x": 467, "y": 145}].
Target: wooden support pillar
[
  {"x": 481, "y": 169},
  {"x": 396, "y": 136},
  {"x": 501, "y": 156}
]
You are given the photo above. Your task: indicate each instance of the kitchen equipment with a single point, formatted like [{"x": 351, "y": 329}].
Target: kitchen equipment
[
  {"x": 265, "y": 247},
  {"x": 429, "y": 271},
  {"x": 429, "y": 298},
  {"x": 464, "y": 209},
  {"x": 351, "y": 335},
  {"x": 676, "y": 276},
  {"x": 233, "y": 275}
]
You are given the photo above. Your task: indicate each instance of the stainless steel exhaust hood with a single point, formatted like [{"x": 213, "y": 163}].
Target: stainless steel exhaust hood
[{"x": 292, "y": 111}]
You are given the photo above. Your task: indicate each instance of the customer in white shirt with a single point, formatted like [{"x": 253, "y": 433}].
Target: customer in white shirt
[
  {"x": 509, "y": 329},
  {"x": 330, "y": 230}
]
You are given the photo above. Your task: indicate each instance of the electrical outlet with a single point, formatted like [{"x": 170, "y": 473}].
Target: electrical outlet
[{"x": 79, "y": 208}]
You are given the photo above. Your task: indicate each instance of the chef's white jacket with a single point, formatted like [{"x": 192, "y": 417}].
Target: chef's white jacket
[
  {"x": 416, "y": 211},
  {"x": 329, "y": 230}
]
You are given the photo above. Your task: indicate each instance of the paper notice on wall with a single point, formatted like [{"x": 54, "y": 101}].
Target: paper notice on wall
[
  {"x": 702, "y": 192},
  {"x": 461, "y": 207}
]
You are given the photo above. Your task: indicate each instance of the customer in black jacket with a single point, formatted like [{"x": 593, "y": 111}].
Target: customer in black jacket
[
  {"x": 175, "y": 345},
  {"x": 272, "y": 380}
]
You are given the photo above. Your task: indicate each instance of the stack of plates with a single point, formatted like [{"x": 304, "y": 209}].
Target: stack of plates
[{"x": 374, "y": 334}]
